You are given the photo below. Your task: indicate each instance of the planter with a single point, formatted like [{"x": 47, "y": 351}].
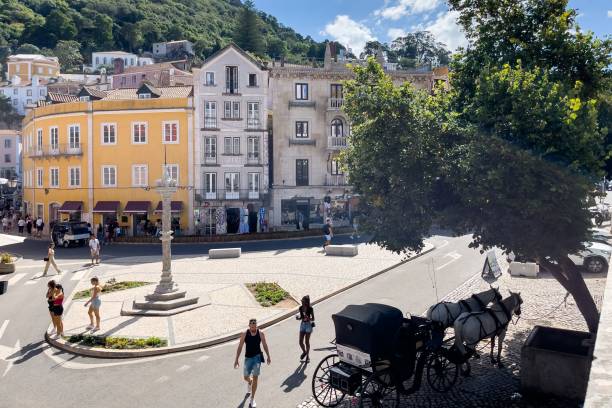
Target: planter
[
  {"x": 556, "y": 362},
  {"x": 529, "y": 269},
  {"x": 6, "y": 268}
]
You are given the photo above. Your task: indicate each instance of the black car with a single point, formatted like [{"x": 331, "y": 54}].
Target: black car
[{"x": 70, "y": 233}]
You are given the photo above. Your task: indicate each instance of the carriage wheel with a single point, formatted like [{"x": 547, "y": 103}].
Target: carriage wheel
[
  {"x": 441, "y": 372},
  {"x": 322, "y": 391},
  {"x": 377, "y": 395}
]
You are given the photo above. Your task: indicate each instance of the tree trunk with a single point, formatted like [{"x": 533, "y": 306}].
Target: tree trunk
[{"x": 568, "y": 275}]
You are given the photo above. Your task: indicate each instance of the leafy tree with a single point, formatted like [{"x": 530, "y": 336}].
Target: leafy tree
[
  {"x": 132, "y": 36},
  {"x": 27, "y": 49},
  {"x": 474, "y": 159},
  {"x": 8, "y": 117},
  {"x": 248, "y": 30},
  {"x": 68, "y": 54},
  {"x": 277, "y": 48},
  {"x": 420, "y": 48},
  {"x": 58, "y": 26},
  {"x": 371, "y": 48}
]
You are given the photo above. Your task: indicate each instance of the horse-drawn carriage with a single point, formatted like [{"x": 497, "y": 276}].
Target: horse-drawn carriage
[{"x": 381, "y": 355}]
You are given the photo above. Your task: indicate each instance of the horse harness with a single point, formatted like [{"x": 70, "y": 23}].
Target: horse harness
[
  {"x": 499, "y": 325},
  {"x": 466, "y": 305}
]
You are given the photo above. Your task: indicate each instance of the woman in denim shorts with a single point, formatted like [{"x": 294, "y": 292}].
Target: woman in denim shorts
[
  {"x": 253, "y": 357},
  {"x": 306, "y": 316}
]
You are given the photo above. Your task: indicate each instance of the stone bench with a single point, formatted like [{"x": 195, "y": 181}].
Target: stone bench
[
  {"x": 341, "y": 250},
  {"x": 529, "y": 269},
  {"x": 224, "y": 253}
]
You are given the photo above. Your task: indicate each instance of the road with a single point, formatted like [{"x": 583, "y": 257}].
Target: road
[{"x": 33, "y": 375}]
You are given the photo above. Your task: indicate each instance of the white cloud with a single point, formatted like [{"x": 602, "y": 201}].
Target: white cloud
[
  {"x": 447, "y": 31},
  {"x": 609, "y": 13},
  {"x": 406, "y": 7},
  {"x": 349, "y": 33},
  {"x": 394, "y": 33}
]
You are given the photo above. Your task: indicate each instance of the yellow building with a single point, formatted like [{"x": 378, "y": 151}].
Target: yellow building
[
  {"x": 98, "y": 158},
  {"x": 27, "y": 65}
]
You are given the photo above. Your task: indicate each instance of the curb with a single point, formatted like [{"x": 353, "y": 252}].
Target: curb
[
  {"x": 238, "y": 241},
  {"x": 109, "y": 353}
]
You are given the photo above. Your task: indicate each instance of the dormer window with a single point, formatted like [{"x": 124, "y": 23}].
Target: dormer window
[
  {"x": 84, "y": 98},
  {"x": 144, "y": 96}
]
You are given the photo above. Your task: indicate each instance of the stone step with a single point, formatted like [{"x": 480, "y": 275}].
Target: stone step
[
  {"x": 165, "y": 296},
  {"x": 142, "y": 303}
]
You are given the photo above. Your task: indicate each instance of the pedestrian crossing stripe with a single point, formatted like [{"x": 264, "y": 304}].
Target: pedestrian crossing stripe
[{"x": 16, "y": 278}]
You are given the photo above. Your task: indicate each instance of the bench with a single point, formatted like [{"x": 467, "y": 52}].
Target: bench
[
  {"x": 224, "y": 253},
  {"x": 341, "y": 250},
  {"x": 529, "y": 269}
]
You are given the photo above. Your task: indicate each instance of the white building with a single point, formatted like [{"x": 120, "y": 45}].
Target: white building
[
  {"x": 231, "y": 143},
  {"x": 99, "y": 59},
  {"x": 24, "y": 94},
  {"x": 10, "y": 154}
]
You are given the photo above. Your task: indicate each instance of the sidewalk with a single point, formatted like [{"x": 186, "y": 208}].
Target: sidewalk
[{"x": 300, "y": 272}]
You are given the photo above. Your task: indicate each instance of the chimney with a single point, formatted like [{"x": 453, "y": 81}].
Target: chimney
[
  {"x": 328, "y": 56},
  {"x": 282, "y": 61},
  {"x": 118, "y": 65}
]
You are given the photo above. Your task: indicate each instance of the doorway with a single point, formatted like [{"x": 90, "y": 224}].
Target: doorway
[
  {"x": 304, "y": 209},
  {"x": 233, "y": 220}
]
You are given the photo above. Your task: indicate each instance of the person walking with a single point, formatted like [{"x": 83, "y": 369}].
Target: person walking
[
  {"x": 20, "y": 224},
  {"x": 94, "y": 304},
  {"x": 253, "y": 357},
  {"x": 94, "y": 249},
  {"x": 5, "y": 223},
  {"x": 39, "y": 227},
  {"x": 300, "y": 219},
  {"x": 29, "y": 225},
  {"x": 50, "y": 292},
  {"x": 327, "y": 233},
  {"x": 58, "y": 309},
  {"x": 306, "y": 317},
  {"x": 50, "y": 260}
]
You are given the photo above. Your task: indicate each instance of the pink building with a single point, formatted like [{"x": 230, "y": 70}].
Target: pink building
[
  {"x": 10, "y": 154},
  {"x": 159, "y": 75}
]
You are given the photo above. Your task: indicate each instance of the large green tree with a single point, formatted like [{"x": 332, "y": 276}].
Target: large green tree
[
  {"x": 248, "y": 33},
  {"x": 509, "y": 154},
  {"x": 68, "y": 54}
]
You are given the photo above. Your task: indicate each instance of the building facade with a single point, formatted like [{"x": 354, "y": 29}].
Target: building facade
[
  {"x": 231, "y": 150},
  {"x": 309, "y": 131},
  {"x": 162, "y": 74},
  {"x": 173, "y": 49},
  {"x": 97, "y": 159},
  {"x": 10, "y": 154},
  {"x": 26, "y": 66},
  {"x": 24, "y": 94},
  {"x": 107, "y": 58}
]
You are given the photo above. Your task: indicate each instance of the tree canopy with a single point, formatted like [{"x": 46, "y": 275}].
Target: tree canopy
[
  {"x": 508, "y": 154},
  {"x": 413, "y": 50}
]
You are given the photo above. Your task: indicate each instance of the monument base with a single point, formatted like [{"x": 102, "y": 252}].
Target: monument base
[{"x": 144, "y": 307}]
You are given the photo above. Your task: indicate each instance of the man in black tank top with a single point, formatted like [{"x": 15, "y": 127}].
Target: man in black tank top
[{"x": 253, "y": 357}]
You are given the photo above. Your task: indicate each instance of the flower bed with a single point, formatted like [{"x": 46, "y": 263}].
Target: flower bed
[{"x": 119, "y": 343}]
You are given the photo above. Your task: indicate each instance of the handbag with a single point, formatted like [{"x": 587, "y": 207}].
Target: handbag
[
  {"x": 46, "y": 259},
  {"x": 312, "y": 324}
]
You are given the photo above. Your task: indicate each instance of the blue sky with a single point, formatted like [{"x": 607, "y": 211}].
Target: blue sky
[{"x": 353, "y": 22}]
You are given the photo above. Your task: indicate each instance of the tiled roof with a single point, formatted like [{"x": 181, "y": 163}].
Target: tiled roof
[
  {"x": 95, "y": 92},
  {"x": 155, "y": 67},
  {"x": 60, "y": 98},
  {"x": 166, "y": 92}
]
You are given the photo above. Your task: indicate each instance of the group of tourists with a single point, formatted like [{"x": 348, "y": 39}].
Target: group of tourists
[
  {"x": 253, "y": 339},
  {"x": 12, "y": 221}
]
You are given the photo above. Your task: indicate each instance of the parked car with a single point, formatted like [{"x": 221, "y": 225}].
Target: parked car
[
  {"x": 600, "y": 213},
  {"x": 70, "y": 233},
  {"x": 602, "y": 236}
]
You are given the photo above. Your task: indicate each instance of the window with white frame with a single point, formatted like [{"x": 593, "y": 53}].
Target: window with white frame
[
  {"x": 253, "y": 114},
  {"x": 210, "y": 147},
  {"x": 210, "y": 79},
  {"x": 172, "y": 170},
  {"x": 301, "y": 129},
  {"x": 210, "y": 183},
  {"x": 301, "y": 92},
  {"x": 84, "y": 98},
  {"x": 109, "y": 133},
  {"x": 171, "y": 132},
  {"x": 39, "y": 177},
  {"x": 336, "y": 168},
  {"x": 109, "y": 176},
  {"x": 139, "y": 132},
  {"x": 39, "y": 138},
  {"x": 7, "y": 143},
  {"x": 231, "y": 146},
  {"x": 253, "y": 148},
  {"x": 231, "y": 79},
  {"x": 74, "y": 136},
  {"x": 232, "y": 182},
  {"x": 54, "y": 138},
  {"x": 74, "y": 176},
  {"x": 231, "y": 109},
  {"x": 29, "y": 92},
  {"x": 210, "y": 114},
  {"x": 252, "y": 80},
  {"x": 253, "y": 183},
  {"x": 140, "y": 175},
  {"x": 54, "y": 177},
  {"x": 144, "y": 96}
]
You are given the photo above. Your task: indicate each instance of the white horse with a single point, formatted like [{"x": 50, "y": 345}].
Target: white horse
[
  {"x": 470, "y": 328},
  {"x": 445, "y": 313}
]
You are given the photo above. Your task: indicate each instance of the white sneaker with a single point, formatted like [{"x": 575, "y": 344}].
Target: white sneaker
[
  {"x": 253, "y": 404},
  {"x": 89, "y": 326}
]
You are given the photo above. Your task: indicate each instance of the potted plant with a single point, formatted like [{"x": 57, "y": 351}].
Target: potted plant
[{"x": 7, "y": 263}]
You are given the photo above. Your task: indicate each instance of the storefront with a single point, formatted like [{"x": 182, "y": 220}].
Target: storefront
[
  {"x": 105, "y": 212},
  {"x": 176, "y": 208},
  {"x": 139, "y": 212},
  {"x": 71, "y": 211},
  {"x": 212, "y": 219}
]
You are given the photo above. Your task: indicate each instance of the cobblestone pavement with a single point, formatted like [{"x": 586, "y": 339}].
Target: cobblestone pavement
[{"x": 489, "y": 386}]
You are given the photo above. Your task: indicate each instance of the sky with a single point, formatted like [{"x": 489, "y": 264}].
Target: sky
[{"x": 353, "y": 22}]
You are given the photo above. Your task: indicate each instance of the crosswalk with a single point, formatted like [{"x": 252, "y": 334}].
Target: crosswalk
[{"x": 35, "y": 277}]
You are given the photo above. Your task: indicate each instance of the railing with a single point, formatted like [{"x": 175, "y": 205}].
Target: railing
[
  {"x": 336, "y": 180},
  {"x": 253, "y": 158},
  {"x": 335, "y": 103},
  {"x": 253, "y": 123},
  {"x": 336, "y": 142},
  {"x": 209, "y": 159},
  {"x": 55, "y": 150},
  {"x": 210, "y": 123},
  {"x": 220, "y": 194}
]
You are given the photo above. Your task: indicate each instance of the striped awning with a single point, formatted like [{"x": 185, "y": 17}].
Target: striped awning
[
  {"x": 137, "y": 207},
  {"x": 71, "y": 206},
  {"x": 106, "y": 207},
  {"x": 175, "y": 207}
]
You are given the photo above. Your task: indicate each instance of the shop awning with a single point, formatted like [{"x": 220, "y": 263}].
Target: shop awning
[
  {"x": 137, "y": 207},
  {"x": 106, "y": 207},
  {"x": 175, "y": 207},
  {"x": 71, "y": 206}
]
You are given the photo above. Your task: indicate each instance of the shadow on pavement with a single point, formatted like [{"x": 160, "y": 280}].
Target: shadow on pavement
[{"x": 296, "y": 378}]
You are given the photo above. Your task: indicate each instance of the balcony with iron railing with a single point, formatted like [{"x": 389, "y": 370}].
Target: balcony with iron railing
[
  {"x": 210, "y": 158},
  {"x": 335, "y": 103},
  {"x": 253, "y": 123},
  {"x": 55, "y": 150},
  {"x": 336, "y": 180},
  {"x": 222, "y": 194},
  {"x": 253, "y": 158},
  {"x": 336, "y": 142},
  {"x": 210, "y": 123}
]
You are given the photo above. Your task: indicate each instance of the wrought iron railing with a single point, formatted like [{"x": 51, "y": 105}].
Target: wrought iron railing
[
  {"x": 55, "y": 150},
  {"x": 336, "y": 142}
]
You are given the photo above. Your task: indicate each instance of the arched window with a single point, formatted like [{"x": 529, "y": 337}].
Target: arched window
[{"x": 337, "y": 128}]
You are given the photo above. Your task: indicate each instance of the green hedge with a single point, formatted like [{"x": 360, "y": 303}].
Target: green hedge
[{"x": 112, "y": 342}]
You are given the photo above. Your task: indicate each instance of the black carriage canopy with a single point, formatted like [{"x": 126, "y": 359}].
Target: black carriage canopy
[{"x": 370, "y": 328}]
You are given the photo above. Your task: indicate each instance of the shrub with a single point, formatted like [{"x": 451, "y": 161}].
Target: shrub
[
  {"x": 268, "y": 293},
  {"x": 6, "y": 258}
]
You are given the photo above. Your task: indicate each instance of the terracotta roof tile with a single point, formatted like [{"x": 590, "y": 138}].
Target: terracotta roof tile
[{"x": 166, "y": 92}]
